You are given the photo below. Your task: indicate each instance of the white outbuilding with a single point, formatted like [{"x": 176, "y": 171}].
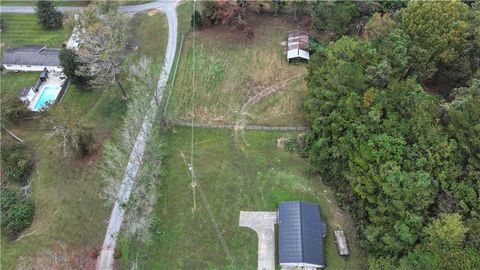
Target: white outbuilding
[{"x": 297, "y": 46}]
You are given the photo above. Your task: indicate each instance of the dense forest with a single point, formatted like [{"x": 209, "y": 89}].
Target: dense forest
[{"x": 395, "y": 128}]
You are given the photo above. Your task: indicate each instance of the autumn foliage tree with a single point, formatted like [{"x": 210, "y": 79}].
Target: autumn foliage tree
[{"x": 226, "y": 12}]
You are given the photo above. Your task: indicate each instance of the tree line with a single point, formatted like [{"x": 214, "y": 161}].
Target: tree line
[{"x": 405, "y": 162}]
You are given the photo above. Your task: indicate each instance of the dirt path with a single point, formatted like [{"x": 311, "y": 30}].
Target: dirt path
[{"x": 256, "y": 95}]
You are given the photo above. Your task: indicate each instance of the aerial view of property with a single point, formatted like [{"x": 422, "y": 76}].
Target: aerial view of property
[{"x": 240, "y": 134}]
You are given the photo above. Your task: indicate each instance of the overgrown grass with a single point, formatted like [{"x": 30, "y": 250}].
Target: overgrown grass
[
  {"x": 184, "y": 13},
  {"x": 229, "y": 69},
  {"x": 151, "y": 33},
  {"x": 251, "y": 174},
  {"x": 66, "y": 193},
  {"x": 23, "y": 29}
]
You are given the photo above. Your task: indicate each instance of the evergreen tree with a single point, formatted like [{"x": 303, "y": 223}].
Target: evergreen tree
[
  {"x": 48, "y": 15},
  {"x": 196, "y": 20},
  {"x": 71, "y": 66}
]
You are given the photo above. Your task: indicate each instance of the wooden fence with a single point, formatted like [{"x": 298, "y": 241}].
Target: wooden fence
[{"x": 229, "y": 126}]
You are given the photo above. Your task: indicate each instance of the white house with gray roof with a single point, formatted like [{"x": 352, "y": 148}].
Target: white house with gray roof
[{"x": 31, "y": 58}]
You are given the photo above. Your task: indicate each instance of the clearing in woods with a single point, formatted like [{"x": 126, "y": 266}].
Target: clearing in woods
[{"x": 231, "y": 71}]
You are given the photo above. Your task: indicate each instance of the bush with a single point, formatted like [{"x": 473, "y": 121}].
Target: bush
[
  {"x": 315, "y": 46},
  {"x": 2, "y": 25},
  {"x": 13, "y": 109},
  {"x": 17, "y": 212},
  {"x": 17, "y": 162},
  {"x": 197, "y": 20}
]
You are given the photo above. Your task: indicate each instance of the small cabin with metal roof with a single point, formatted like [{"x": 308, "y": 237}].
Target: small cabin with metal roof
[
  {"x": 297, "y": 46},
  {"x": 301, "y": 233}
]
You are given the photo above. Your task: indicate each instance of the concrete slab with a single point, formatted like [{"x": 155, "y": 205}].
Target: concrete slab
[{"x": 264, "y": 224}]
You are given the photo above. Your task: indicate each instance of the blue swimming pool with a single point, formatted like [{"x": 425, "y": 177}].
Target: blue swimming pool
[{"x": 48, "y": 96}]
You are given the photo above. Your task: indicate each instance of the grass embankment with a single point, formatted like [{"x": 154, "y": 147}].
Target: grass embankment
[
  {"x": 68, "y": 208},
  {"x": 235, "y": 175},
  {"x": 230, "y": 70}
]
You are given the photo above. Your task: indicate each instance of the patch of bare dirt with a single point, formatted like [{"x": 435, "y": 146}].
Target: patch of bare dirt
[
  {"x": 255, "y": 95},
  {"x": 442, "y": 88},
  {"x": 60, "y": 257},
  {"x": 153, "y": 12},
  {"x": 262, "y": 91}
]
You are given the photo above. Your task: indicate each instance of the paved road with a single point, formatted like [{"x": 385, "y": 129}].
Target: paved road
[
  {"x": 263, "y": 223},
  {"x": 161, "y": 4},
  {"x": 106, "y": 260}
]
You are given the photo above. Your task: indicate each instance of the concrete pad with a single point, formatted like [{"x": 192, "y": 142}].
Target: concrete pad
[{"x": 264, "y": 224}]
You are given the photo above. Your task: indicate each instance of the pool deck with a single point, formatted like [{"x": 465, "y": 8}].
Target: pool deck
[{"x": 52, "y": 80}]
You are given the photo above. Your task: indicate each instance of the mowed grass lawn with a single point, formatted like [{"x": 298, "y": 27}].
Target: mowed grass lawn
[
  {"x": 23, "y": 29},
  {"x": 12, "y": 83},
  {"x": 249, "y": 174},
  {"x": 230, "y": 69},
  {"x": 68, "y": 208}
]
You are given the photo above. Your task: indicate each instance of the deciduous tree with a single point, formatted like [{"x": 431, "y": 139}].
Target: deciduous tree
[
  {"x": 13, "y": 109},
  {"x": 334, "y": 15},
  {"x": 438, "y": 33},
  {"x": 104, "y": 44},
  {"x": 75, "y": 134},
  {"x": 463, "y": 125}
]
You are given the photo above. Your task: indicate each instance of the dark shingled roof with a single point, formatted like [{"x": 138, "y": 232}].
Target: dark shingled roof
[
  {"x": 300, "y": 234},
  {"x": 32, "y": 55}
]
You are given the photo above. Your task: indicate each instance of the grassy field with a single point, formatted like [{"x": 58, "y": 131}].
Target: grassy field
[
  {"x": 251, "y": 174},
  {"x": 12, "y": 83},
  {"x": 68, "y": 208},
  {"x": 184, "y": 11},
  {"x": 239, "y": 79},
  {"x": 23, "y": 29}
]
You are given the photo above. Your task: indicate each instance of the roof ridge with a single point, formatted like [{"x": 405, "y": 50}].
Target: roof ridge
[{"x": 301, "y": 230}]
